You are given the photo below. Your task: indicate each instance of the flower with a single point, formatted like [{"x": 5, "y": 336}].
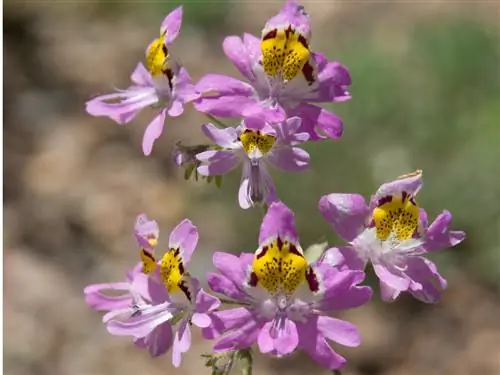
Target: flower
[
  {"x": 163, "y": 84},
  {"x": 283, "y": 297},
  {"x": 284, "y": 77},
  {"x": 392, "y": 233},
  {"x": 168, "y": 294},
  {"x": 255, "y": 143}
]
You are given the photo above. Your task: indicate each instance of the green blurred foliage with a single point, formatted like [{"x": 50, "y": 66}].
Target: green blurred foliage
[{"x": 438, "y": 105}]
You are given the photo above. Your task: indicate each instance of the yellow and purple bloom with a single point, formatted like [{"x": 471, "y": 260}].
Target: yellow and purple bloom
[
  {"x": 162, "y": 83},
  {"x": 256, "y": 144},
  {"x": 284, "y": 77},
  {"x": 392, "y": 233},
  {"x": 284, "y": 299},
  {"x": 163, "y": 299}
]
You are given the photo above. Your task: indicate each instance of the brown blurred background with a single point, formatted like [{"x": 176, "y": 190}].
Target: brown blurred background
[{"x": 426, "y": 94}]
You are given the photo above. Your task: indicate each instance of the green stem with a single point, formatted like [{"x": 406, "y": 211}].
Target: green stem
[
  {"x": 246, "y": 362},
  {"x": 231, "y": 302},
  {"x": 217, "y": 121}
]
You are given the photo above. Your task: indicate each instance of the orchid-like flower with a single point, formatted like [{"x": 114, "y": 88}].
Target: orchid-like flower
[
  {"x": 169, "y": 298},
  {"x": 284, "y": 77},
  {"x": 284, "y": 299},
  {"x": 392, "y": 233},
  {"x": 256, "y": 144},
  {"x": 163, "y": 84}
]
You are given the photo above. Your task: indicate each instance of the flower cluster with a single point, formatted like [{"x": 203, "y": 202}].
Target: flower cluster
[{"x": 279, "y": 298}]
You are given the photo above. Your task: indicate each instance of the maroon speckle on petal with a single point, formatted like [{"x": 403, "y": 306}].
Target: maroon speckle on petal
[
  {"x": 385, "y": 200},
  {"x": 312, "y": 280},
  {"x": 252, "y": 280},
  {"x": 270, "y": 35},
  {"x": 262, "y": 252}
]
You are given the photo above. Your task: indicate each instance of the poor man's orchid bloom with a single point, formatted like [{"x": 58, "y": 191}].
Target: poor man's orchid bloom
[
  {"x": 163, "y": 84},
  {"x": 175, "y": 299},
  {"x": 284, "y": 77},
  {"x": 255, "y": 143},
  {"x": 391, "y": 232},
  {"x": 285, "y": 300}
]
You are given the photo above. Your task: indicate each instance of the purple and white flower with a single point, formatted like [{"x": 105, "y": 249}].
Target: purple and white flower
[
  {"x": 164, "y": 300},
  {"x": 392, "y": 233},
  {"x": 284, "y": 77},
  {"x": 284, "y": 299},
  {"x": 163, "y": 84},
  {"x": 255, "y": 143}
]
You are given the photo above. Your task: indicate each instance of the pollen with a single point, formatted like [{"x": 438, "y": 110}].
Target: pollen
[
  {"x": 279, "y": 266},
  {"x": 253, "y": 140},
  {"x": 397, "y": 215},
  {"x": 285, "y": 52}
]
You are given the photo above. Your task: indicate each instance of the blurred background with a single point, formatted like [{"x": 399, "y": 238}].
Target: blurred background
[{"x": 426, "y": 94}]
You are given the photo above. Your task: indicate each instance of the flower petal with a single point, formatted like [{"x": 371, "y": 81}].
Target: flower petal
[
  {"x": 240, "y": 55},
  {"x": 410, "y": 183},
  {"x": 141, "y": 76},
  {"x": 427, "y": 284},
  {"x": 313, "y": 342},
  {"x": 392, "y": 277},
  {"x": 206, "y": 302},
  {"x": 343, "y": 257},
  {"x": 129, "y": 103},
  {"x": 230, "y": 266},
  {"x": 318, "y": 122},
  {"x": 185, "y": 237},
  {"x": 96, "y": 299},
  {"x": 387, "y": 292},
  {"x": 225, "y": 138},
  {"x": 201, "y": 320},
  {"x": 221, "y": 284},
  {"x": 176, "y": 108},
  {"x": 438, "y": 235},
  {"x": 217, "y": 162},
  {"x": 153, "y": 132},
  {"x": 146, "y": 232},
  {"x": 340, "y": 331},
  {"x": 160, "y": 340},
  {"x": 182, "y": 342},
  {"x": 242, "y": 337},
  {"x": 244, "y": 189},
  {"x": 172, "y": 25},
  {"x": 290, "y": 159},
  {"x": 278, "y": 221},
  {"x": 142, "y": 325},
  {"x": 342, "y": 290},
  {"x": 225, "y": 106},
  {"x": 224, "y": 85},
  {"x": 284, "y": 342},
  {"x": 226, "y": 320},
  {"x": 346, "y": 213}
]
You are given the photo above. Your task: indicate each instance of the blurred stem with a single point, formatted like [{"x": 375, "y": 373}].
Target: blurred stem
[
  {"x": 336, "y": 372},
  {"x": 231, "y": 302},
  {"x": 217, "y": 121},
  {"x": 246, "y": 361}
]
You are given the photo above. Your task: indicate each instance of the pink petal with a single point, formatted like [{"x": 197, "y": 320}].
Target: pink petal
[
  {"x": 185, "y": 237},
  {"x": 172, "y": 24},
  {"x": 153, "y": 132}
]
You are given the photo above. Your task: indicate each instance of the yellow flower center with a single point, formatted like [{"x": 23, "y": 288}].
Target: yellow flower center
[
  {"x": 157, "y": 57},
  {"x": 280, "y": 266},
  {"x": 172, "y": 270},
  {"x": 253, "y": 140},
  {"x": 285, "y": 52},
  {"x": 397, "y": 216}
]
